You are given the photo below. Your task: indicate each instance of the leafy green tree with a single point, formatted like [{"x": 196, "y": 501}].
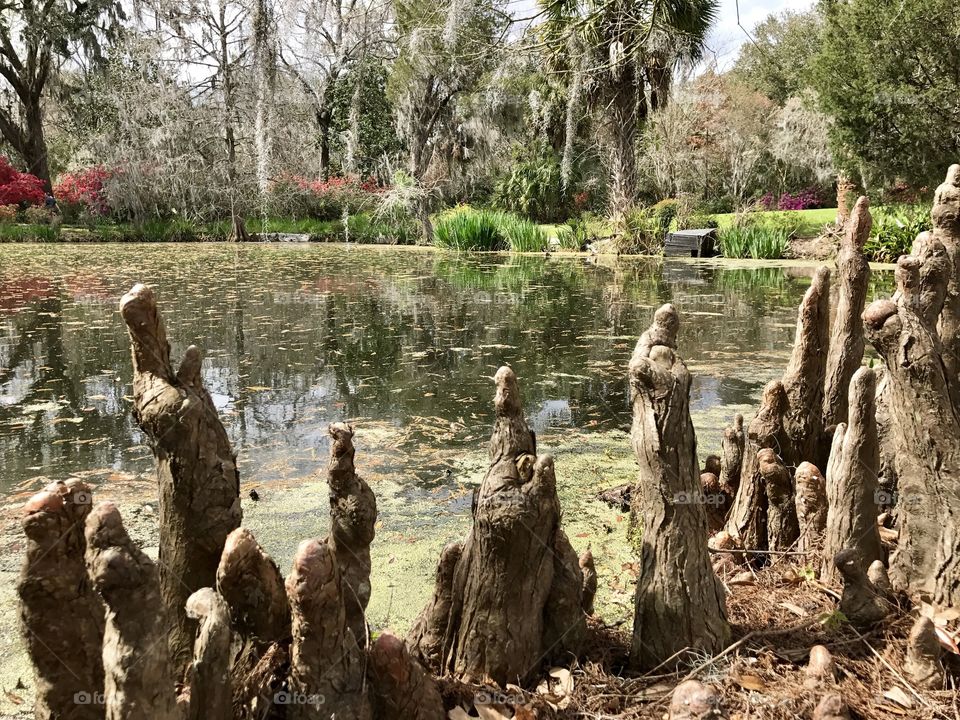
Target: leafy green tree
[
  {"x": 34, "y": 38},
  {"x": 363, "y": 132},
  {"x": 778, "y": 58},
  {"x": 888, "y": 72}
]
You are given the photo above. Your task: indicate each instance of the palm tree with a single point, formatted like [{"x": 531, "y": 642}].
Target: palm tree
[{"x": 626, "y": 52}]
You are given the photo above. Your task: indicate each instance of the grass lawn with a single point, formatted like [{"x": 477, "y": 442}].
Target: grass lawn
[{"x": 808, "y": 223}]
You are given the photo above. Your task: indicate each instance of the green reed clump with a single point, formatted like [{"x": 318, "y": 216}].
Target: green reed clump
[
  {"x": 466, "y": 228},
  {"x": 759, "y": 242}
]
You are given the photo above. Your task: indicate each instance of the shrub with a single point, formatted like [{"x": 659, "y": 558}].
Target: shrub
[
  {"x": 82, "y": 193},
  {"x": 894, "y": 230},
  {"x": 642, "y": 233},
  {"x": 37, "y": 215},
  {"x": 17, "y": 188},
  {"x": 331, "y": 199},
  {"x": 574, "y": 235},
  {"x": 534, "y": 188},
  {"x": 758, "y": 242},
  {"x": 8, "y": 213},
  {"x": 806, "y": 199},
  {"x": 664, "y": 212},
  {"x": 697, "y": 221}
]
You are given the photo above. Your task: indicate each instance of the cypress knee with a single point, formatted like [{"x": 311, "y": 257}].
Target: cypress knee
[
  {"x": 60, "y": 613},
  {"x": 138, "y": 677},
  {"x": 353, "y": 517},
  {"x": 924, "y": 430},
  {"x": 196, "y": 467},
  {"x": 680, "y": 603}
]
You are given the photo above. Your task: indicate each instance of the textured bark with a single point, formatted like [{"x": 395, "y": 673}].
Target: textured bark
[
  {"x": 946, "y": 229},
  {"x": 692, "y": 700},
  {"x": 924, "y": 424},
  {"x": 401, "y": 688},
  {"x": 922, "y": 662},
  {"x": 251, "y": 584},
  {"x": 862, "y": 602},
  {"x": 209, "y": 674},
  {"x": 731, "y": 455},
  {"x": 846, "y": 339},
  {"x": 782, "y": 527},
  {"x": 506, "y": 614},
  {"x": 196, "y": 468},
  {"x": 804, "y": 377},
  {"x": 852, "y": 479},
  {"x": 60, "y": 614},
  {"x": 680, "y": 604},
  {"x": 810, "y": 501},
  {"x": 353, "y": 517},
  {"x": 253, "y": 697},
  {"x": 426, "y": 637},
  {"x": 138, "y": 677},
  {"x": 327, "y": 674},
  {"x": 589, "y": 587},
  {"x": 747, "y": 521}
]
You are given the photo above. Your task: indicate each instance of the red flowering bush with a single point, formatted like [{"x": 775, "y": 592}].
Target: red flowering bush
[
  {"x": 83, "y": 191},
  {"x": 295, "y": 196},
  {"x": 19, "y": 188}
]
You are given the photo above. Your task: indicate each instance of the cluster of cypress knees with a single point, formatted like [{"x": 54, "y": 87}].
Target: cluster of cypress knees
[{"x": 213, "y": 630}]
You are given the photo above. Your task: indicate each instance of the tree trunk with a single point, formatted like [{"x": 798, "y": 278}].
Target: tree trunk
[
  {"x": 680, "y": 604},
  {"x": 803, "y": 380},
  {"x": 622, "y": 126},
  {"x": 852, "y": 479},
  {"x": 323, "y": 126},
  {"x": 924, "y": 423},
  {"x": 846, "y": 339},
  {"x": 353, "y": 517},
  {"x": 327, "y": 679},
  {"x": 35, "y": 151},
  {"x": 60, "y": 614},
  {"x": 196, "y": 468},
  {"x": 139, "y": 681},
  {"x": 516, "y": 596}
]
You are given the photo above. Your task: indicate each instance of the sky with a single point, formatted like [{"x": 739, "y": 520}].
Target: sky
[{"x": 727, "y": 36}]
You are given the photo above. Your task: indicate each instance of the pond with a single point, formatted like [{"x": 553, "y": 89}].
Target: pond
[{"x": 403, "y": 343}]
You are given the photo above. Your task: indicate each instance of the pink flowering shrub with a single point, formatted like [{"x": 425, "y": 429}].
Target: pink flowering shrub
[
  {"x": 295, "y": 196},
  {"x": 805, "y": 199},
  {"x": 19, "y": 188}
]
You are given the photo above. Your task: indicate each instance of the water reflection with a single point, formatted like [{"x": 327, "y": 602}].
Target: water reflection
[{"x": 297, "y": 336}]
